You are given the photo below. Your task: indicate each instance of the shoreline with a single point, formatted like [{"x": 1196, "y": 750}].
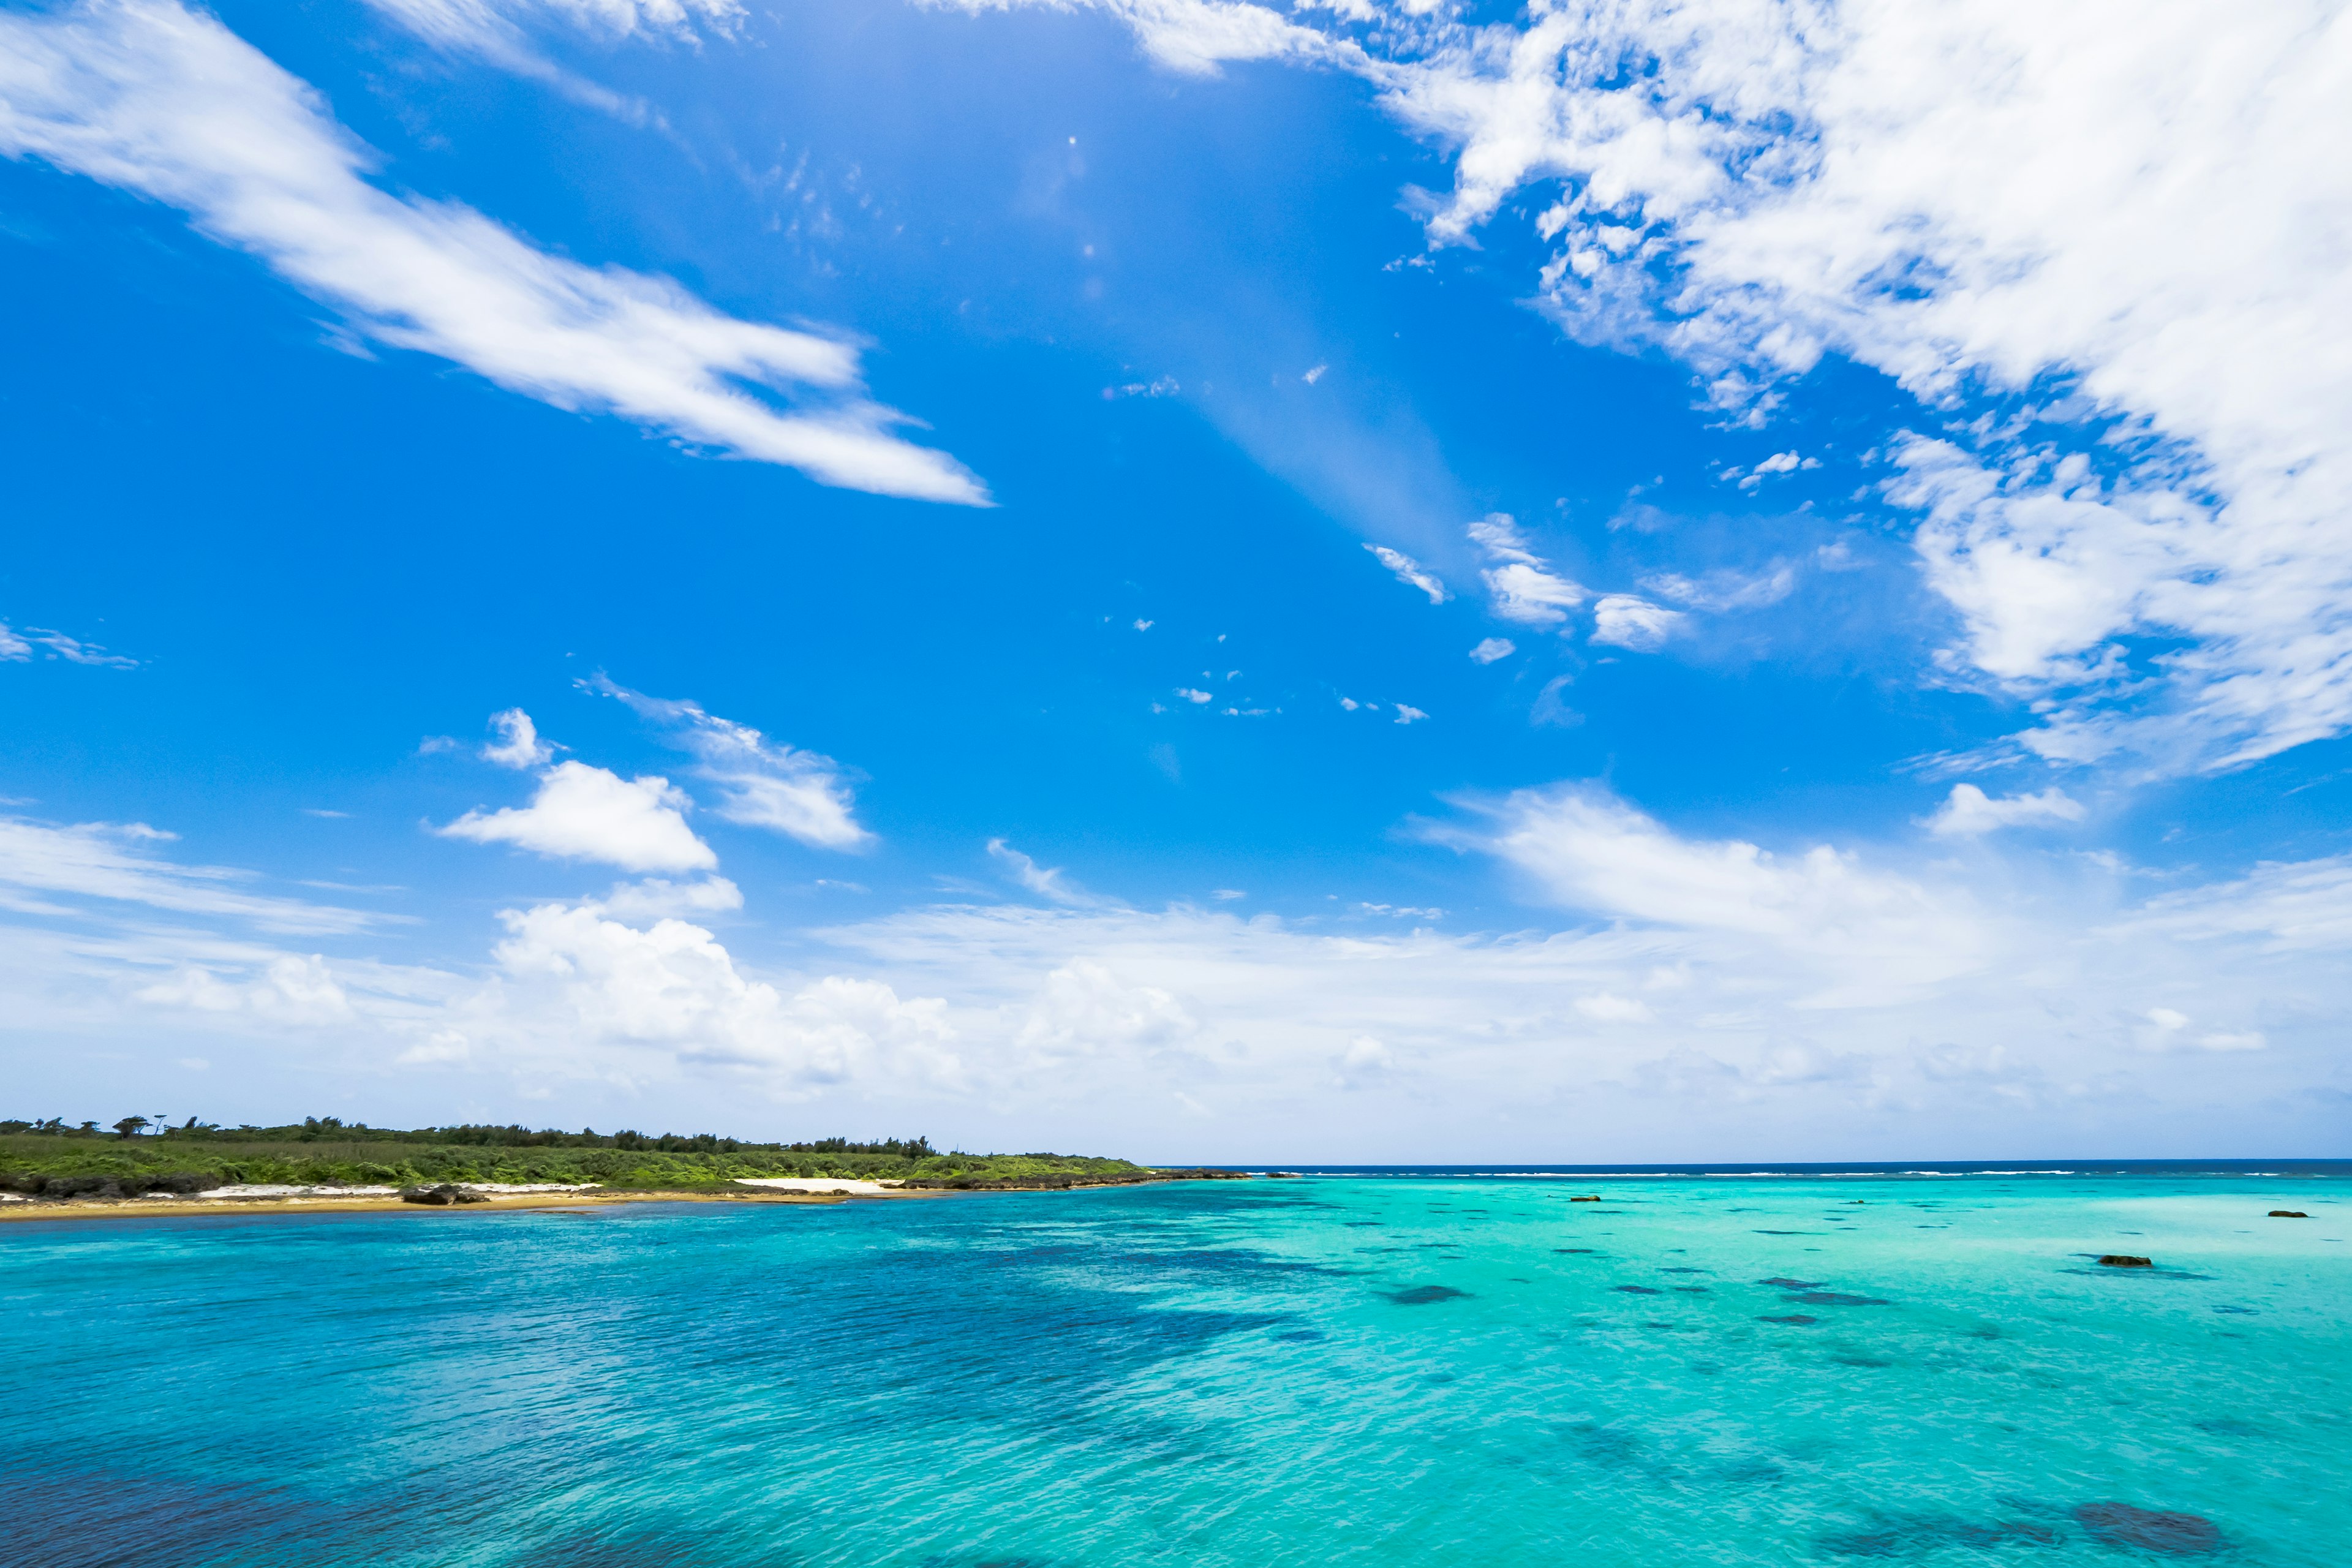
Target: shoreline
[{"x": 806, "y": 1191}]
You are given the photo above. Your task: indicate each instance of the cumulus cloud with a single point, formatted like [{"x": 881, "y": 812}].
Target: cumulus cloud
[
  {"x": 1967, "y": 812},
  {"x": 571, "y": 979},
  {"x": 13, "y": 646},
  {"x": 1521, "y": 586},
  {"x": 584, "y": 813},
  {"x": 762, "y": 783},
  {"x": 1628, "y": 622},
  {"x": 517, "y": 745},
  {"x": 153, "y": 98},
  {"x": 1410, "y": 572},
  {"x": 289, "y": 990},
  {"x": 1976, "y": 1018},
  {"x": 1082, "y": 1008},
  {"x": 1489, "y": 649}
]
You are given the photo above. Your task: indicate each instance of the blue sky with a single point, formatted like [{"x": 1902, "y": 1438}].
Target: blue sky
[{"x": 1731, "y": 581}]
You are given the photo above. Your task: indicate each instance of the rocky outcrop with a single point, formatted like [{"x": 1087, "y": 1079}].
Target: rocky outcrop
[
  {"x": 2123, "y": 1261},
  {"x": 443, "y": 1195},
  {"x": 2288, "y": 1214}
]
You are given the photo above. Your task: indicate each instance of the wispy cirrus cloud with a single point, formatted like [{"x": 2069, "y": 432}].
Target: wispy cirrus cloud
[
  {"x": 1045, "y": 881},
  {"x": 762, "y": 783},
  {"x": 16, "y": 646},
  {"x": 40, "y": 862},
  {"x": 150, "y": 97},
  {"x": 1410, "y": 573}
]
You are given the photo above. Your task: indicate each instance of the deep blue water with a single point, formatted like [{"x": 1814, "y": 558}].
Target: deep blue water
[{"x": 1410, "y": 1369}]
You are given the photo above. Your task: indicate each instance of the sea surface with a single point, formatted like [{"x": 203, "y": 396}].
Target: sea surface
[{"x": 1407, "y": 1367}]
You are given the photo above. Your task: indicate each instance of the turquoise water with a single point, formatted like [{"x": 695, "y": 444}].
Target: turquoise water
[{"x": 1424, "y": 1370}]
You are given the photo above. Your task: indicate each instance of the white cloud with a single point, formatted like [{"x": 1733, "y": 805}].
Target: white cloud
[
  {"x": 518, "y": 745},
  {"x": 1721, "y": 591},
  {"x": 153, "y": 98},
  {"x": 656, "y": 898},
  {"x": 1551, "y": 708},
  {"x": 13, "y": 646},
  {"x": 1142, "y": 625},
  {"x": 489, "y": 27},
  {"x": 762, "y": 784},
  {"x": 1315, "y": 374},
  {"x": 91, "y": 860},
  {"x": 1082, "y": 1008},
  {"x": 1866, "y": 933},
  {"x": 1492, "y": 649},
  {"x": 1045, "y": 881},
  {"x": 1193, "y": 37},
  {"x": 1608, "y": 1007},
  {"x": 1410, "y": 573},
  {"x": 1194, "y": 694},
  {"x": 582, "y": 812},
  {"x": 1406, "y": 713},
  {"x": 1842, "y": 1004},
  {"x": 1633, "y": 623},
  {"x": 289, "y": 990},
  {"x": 1969, "y": 812},
  {"x": 71, "y": 649},
  {"x": 2113, "y": 229},
  {"x": 1523, "y": 587},
  {"x": 575, "y": 989},
  {"x": 2298, "y": 907}
]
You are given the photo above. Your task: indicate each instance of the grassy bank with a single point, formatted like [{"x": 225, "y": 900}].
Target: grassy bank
[{"x": 47, "y": 1159}]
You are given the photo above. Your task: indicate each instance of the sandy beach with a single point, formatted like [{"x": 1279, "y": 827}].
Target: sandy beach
[{"x": 389, "y": 1202}]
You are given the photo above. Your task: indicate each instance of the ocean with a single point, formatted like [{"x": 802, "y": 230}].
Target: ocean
[{"x": 1441, "y": 1367}]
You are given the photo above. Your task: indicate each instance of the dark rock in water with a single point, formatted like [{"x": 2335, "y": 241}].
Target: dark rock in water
[
  {"x": 447, "y": 1193},
  {"x": 2174, "y": 1534},
  {"x": 1914, "y": 1535},
  {"x": 1593, "y": 1199},
  {"x": 1798, "y": 1318},
  {"x": 1282, "y": 1175},
  {"x": 2123, "y": 1261},
  {"x": 1637, "y": 1291},
  {"x": 1834, "y": 1299},
  {"x": 2288, "y": 1214},
  {"x": 1792, "y": 1284},
  {"x": 1682, "y": 1270},
  {"x": 1691, "y": 1291},
  {"x": 2239, "y": 1311},
  {"x": 1421, "y": 1295},
  {"x": 1571, "y": 1250}
]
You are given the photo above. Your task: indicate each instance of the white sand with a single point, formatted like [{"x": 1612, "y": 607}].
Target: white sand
[
  {"x": 266, "y": 1190},
  {"x": 816, "y": 1185}
]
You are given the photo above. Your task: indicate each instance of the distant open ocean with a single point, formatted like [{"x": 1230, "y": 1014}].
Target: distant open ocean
[{"x": 1459, "y": 1367}]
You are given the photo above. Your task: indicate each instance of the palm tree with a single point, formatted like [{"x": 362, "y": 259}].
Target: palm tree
[{"x": 130, "y": 1125}]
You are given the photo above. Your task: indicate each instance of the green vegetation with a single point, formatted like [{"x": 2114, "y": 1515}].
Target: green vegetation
[{"x": 54, "y": 1159}]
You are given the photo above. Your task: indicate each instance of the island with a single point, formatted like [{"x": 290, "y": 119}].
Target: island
[{"x": 54, "y": 1169}]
